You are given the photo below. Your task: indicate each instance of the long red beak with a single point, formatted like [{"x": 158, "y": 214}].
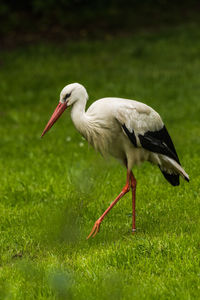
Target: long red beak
[{"x": 57, "y": 113}]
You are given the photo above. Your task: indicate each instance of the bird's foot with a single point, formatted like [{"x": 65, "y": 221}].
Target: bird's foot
[
  {"x": 133, "y": 230},
  {"x": 95, "y": 229}
]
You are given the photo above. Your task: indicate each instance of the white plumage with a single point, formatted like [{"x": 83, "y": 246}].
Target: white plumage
[{"x": 128, "y": 130}]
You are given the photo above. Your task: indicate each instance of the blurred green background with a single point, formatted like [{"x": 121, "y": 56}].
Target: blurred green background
[
  {"x": 33, "y": 20},
  {"x": 53, "y": 190}
]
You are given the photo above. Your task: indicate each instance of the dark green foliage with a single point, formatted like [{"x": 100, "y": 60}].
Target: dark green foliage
[{"x": 67, "y": 16}]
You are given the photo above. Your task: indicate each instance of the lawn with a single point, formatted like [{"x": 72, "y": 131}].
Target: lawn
[{"x": 52, "y": 190}]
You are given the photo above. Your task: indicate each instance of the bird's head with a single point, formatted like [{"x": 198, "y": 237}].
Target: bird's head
[
  {"x": 70, "y": 94},
  {"x": 73, "y": 92}
]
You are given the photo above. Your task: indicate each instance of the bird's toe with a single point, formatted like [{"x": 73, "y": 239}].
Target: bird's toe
[{"x": 95, "y": 229}]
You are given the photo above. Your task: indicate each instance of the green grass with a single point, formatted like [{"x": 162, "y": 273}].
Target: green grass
[{"x": 52, "y": 190}]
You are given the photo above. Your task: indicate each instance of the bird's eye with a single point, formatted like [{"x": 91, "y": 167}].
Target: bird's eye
[{"x": 66, "y": 96}]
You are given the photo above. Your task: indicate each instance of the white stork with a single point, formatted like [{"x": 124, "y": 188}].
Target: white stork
[{"x": 128, "y": 130}]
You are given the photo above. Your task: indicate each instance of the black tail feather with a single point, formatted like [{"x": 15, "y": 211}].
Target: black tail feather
[
  {"x": 187, "y": 179},
  {"x": 172, "y": 178}
]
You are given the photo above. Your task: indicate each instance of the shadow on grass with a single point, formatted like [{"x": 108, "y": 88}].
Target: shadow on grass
[
  {"x": 70, "y": 222},
  {"x": 61, "y": 284}
]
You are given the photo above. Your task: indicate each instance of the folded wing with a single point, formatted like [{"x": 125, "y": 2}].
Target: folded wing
[{"x": 145, "y": 128}]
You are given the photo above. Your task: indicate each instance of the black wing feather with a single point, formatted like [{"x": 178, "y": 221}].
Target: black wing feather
[
  {"x": 158, "y": 142},
  {"x": 131, "y": 135},
  {"x": 164, "y": 136}
]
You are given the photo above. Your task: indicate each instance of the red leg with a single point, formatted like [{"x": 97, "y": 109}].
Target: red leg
[
  {"x": 97, "y": 224},
  {"x": 133, "y": 187}
]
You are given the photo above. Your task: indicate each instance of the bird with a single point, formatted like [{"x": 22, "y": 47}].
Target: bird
[{"x": 130, "y": 131}]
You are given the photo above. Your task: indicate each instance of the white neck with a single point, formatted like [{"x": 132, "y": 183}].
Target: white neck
[
  {"x": 87, "y": 125},
  {"x": 78, "y": 115}
]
